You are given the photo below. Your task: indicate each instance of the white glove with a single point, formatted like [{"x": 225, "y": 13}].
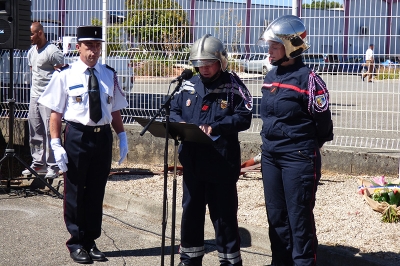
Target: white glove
[
  {"x": 123, "y": 146},
  {"x": 59, "y": 154}
]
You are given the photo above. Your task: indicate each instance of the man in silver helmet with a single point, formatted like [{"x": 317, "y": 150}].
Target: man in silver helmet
[
  {"x": 296, "y": 123},
  {"x": 219, "y": 103}
]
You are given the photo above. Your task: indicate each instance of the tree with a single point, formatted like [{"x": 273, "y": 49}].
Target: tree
[
  {"x": 114, "y": 41},
  {"x": 323, "y": 4},
  {"x": 158, "y": 25},
  {"x": 227, "y": 19}
]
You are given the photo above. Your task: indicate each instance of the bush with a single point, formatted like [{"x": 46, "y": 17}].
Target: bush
[
  {"x": 235, "y": 67},
  {"x": 387, "y": 73},
  {"x": 154, "y": 68}
]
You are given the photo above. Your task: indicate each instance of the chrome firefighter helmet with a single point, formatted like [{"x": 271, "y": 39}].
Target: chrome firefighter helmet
[
  {"x": 288, "y": 30},
  {"x": 206, "y": 50}
]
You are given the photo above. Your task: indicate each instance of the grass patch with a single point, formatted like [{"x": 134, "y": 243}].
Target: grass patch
[{"x": 387, "y": 73}]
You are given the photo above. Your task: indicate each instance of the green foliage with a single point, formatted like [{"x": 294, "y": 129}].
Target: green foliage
[
  {"x": 391, "y": 215},
  {"x": 388, "y": 73},
  {"x": 113, "y": 36},
  {"x": 235, "y": 66},
  {"x": 323, "y": 4},
  {"x": 155, "y": 68},
  {"x": 157, "y": 24},
  {"x": 227, "y": 20}
]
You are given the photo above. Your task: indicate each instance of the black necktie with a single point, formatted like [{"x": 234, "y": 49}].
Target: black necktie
[{"x": 94, "y": 97}]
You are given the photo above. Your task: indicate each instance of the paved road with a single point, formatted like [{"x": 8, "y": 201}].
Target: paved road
[
  {"x": 32, "y": 232},
  {"x": 364, "y": 114}
]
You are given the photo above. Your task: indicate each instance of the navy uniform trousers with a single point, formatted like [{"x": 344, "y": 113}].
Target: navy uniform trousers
[
  {"x": 290, "y": 182},
  {"x": 222, "y": 202},
  {"x": 89, "y": 163}
]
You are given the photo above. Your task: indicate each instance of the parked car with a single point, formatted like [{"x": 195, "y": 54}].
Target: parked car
[
  {"x": 330, "y": 64},
  {"x": 352, "y": 65},
  {"x": 69, "y": 45},
  {"x": 258, "y": 63},
  {"x": 124, "y": 68},
  {"x": 239, "y": 58},
  {"x": 313, "y": 61}
]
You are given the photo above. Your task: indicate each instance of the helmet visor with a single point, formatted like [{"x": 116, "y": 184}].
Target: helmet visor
[
  {"x": 268, "y": 35},
  {"x": 202, "y": 63}
]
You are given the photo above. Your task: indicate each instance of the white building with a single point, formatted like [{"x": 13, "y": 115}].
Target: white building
[{"x": 340, "y": 31}]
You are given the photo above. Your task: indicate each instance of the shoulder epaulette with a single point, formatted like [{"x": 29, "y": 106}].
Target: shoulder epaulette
[
  {"x": 63, "y": 68},
  {"x": 107, "y": 66}
]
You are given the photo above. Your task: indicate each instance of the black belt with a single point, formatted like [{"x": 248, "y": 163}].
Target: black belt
[{"x": 84, "y": 128}]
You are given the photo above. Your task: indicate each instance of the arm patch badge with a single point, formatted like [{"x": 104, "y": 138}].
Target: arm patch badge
[{"x": 320, "y": 101}]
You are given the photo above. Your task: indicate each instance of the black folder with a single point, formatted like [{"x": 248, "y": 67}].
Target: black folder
[{"x": 180, "y": 131}]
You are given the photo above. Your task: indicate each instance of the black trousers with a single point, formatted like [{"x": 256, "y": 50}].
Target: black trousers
[
  {"x": 89, "y": 161},
  {"x": 222, "y": 201}
]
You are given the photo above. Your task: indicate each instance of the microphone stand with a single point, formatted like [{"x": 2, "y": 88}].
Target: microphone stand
[{"x": 166, "y": 107}]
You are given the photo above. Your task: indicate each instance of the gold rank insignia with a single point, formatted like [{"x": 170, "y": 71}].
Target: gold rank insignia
[
  {"x": 188, "y": 102},
  {"x": 224, "y": 104},
  {"x": 79, "y": 99}
]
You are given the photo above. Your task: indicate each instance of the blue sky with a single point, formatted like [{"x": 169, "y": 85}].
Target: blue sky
[{"x": 274, "y": 2}]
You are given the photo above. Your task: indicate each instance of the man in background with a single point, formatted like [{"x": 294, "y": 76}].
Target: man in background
[
  {"x": 43, "y": 58},
  {"x": 369, "y": 62}
]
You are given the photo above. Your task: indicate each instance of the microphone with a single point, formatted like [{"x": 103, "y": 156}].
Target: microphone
[{"x": 186, "y": 74}]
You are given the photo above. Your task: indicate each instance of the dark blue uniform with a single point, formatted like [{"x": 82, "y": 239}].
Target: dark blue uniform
[
  {"x": 210, "y": 172},
  {"x": 296, "y": 123}
]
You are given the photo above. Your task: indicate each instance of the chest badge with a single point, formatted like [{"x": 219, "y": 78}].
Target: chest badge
[
  {"x": 224, "y": 104},
  {"x": 188, "y": 102},
  {"x": 78, "y": 99}
]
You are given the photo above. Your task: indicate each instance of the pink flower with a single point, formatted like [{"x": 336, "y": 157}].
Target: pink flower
[{"x": 380, "y": 180}]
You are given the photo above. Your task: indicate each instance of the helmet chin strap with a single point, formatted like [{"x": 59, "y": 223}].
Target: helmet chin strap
[{"x": 280, "y": 61}]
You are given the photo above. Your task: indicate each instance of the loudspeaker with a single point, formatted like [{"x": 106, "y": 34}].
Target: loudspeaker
[{"x": 15, "y": 24}]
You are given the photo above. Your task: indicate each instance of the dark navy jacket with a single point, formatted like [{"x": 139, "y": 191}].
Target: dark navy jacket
[
  {"x": 294, "y": 110},
  {"x": 226, "y": 106}
]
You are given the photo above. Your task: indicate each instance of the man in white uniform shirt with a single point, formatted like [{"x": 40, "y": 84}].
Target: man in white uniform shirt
[
  {"x": 86, "y": 159},
  {"x": 369, "y": 62}
]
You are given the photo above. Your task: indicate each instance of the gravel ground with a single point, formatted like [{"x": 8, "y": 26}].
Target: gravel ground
[{"x": 342, "y": 216}]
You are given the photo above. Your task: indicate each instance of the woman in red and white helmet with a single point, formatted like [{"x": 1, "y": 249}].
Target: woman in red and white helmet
[{"x": 296, "y": 123}]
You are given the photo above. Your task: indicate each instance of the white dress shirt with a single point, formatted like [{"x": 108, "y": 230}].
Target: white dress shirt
[
  {"x": 67, "y": 93},
  {"x": 369, "y": 55}
]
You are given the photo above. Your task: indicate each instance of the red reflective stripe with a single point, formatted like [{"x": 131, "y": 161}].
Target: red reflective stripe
[{"x": 286, "y": 86}]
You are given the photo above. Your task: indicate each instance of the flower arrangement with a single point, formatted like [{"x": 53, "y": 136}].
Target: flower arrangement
[{"x": 382, "y": 196}]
